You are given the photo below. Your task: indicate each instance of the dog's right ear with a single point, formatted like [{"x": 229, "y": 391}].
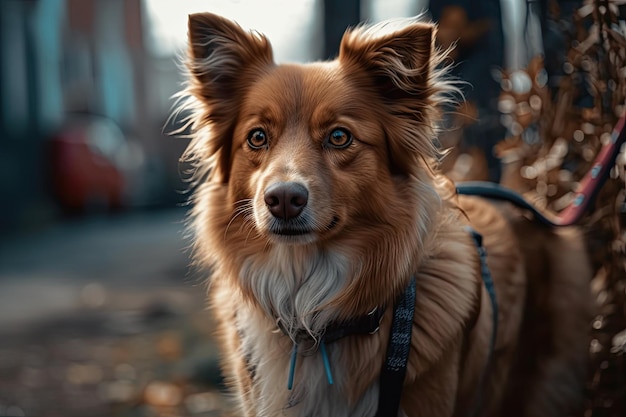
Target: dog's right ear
[{"x": 223, "y": 60}]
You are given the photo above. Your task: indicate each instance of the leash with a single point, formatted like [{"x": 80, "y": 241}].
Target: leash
[{"x": 586, "y": 192}]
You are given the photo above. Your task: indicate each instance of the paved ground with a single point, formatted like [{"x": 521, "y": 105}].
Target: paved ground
[{"x": 102, "y": 317}]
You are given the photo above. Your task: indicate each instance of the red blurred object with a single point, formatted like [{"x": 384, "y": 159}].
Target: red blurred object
[{"x": 83, "y": 171}]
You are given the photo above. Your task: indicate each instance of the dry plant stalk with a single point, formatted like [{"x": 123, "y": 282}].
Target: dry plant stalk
[{"x": 555, "y": 136}]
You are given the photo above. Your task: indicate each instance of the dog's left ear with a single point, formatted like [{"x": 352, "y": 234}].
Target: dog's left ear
[
  {"x": 397, "y": 54},
  {"x": 398, "y": 61}
]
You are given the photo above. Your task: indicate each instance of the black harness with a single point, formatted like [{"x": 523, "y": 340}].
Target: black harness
[
  {"x": 392, "y": 374},
  {"x": 393, "y": 371}
]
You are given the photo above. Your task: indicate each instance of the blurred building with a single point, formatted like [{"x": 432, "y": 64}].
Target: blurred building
[
  {"x": 79, "y": 113},
  {"x": 86, "y": 86}
]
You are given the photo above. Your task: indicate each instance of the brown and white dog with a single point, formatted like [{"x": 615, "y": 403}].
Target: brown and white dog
[{"x": 318, "y": 199}]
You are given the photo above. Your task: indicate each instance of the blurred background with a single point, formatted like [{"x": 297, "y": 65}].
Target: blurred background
[{"x": 100, "y": 312}]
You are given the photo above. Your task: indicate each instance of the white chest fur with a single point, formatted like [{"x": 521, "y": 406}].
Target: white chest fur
[{"x": 293, "y": 285}]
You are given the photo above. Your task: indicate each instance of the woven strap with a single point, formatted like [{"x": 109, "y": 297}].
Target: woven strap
[
  {"x": 394, "y": 370},
  {"x": 392, "y": 373}
]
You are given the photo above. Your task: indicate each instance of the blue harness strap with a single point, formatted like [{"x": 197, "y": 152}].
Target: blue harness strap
[{"x": 489, "y": 286}]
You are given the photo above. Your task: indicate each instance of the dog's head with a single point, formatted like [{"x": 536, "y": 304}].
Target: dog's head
[{"x": 306, "y": 151}]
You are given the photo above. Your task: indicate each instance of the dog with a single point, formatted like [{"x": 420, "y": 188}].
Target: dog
[{"x": 318, "y": 202}]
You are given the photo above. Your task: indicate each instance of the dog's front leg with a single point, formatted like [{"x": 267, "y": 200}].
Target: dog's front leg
[
  {"x": 433, "y": 393},
  {"x": 237, "y": 371}
]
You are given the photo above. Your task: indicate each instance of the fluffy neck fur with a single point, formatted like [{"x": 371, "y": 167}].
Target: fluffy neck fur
[
  {"x": 292, "y": 284},
  {"x": 308, "y": 286}
]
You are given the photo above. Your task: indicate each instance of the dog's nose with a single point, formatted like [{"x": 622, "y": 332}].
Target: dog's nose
[{"x": 286, "y": 200}]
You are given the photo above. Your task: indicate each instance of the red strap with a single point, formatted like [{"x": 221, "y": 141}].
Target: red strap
[{"x": 595, "y": 178}]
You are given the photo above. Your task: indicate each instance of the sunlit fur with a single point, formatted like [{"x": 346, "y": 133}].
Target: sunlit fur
[{"x": 377, "y": 213}]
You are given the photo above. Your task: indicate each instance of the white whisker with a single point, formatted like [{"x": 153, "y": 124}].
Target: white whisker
[{"x": 242, "y": 208}]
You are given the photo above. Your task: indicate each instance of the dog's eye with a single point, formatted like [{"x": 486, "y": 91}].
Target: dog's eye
[
  {"x": 339, "y": 138},
  {"x": 257, "y": 139}
]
